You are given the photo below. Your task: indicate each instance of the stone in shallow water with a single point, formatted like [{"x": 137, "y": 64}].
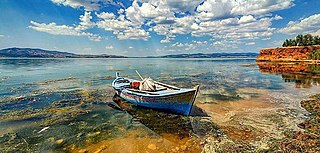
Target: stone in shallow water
[
  {"x": 152, "y": 146},
  {"x": 59, "y": 141}
]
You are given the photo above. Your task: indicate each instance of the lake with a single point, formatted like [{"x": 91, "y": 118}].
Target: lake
[{"x": 68, "y": 105}]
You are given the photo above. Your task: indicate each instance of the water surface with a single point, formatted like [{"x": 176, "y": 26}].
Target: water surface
[{"x": 69, "y": 105}]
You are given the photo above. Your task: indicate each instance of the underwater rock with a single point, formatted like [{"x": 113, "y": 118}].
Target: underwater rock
[
  {"x": 152, "y": 146},
  {"x": 59, "y": 141},
  {"x": 108, "y": 77}
]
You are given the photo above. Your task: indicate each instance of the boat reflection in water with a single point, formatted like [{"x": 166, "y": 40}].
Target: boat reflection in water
[
  {"x": 305, "y": 75},
  {"x": 164, "y": 123}
]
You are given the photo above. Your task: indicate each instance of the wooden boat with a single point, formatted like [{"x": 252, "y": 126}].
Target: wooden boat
[{"x": 165, "y": 97}]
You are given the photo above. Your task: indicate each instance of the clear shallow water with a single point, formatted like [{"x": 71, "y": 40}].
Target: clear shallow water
[{"x": 68, "y": 105}]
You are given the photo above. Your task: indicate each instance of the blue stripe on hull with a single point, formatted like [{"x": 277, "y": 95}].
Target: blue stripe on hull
[{"x": 179, "y": 108}]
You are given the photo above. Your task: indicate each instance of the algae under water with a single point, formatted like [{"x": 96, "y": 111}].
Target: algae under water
[{"x": 68, "y": 105}]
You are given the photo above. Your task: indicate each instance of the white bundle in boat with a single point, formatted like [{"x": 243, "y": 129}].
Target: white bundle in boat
[{"x": 147, "y": 84}]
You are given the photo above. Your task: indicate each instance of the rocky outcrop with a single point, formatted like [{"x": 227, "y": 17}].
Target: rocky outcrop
[{"x": 296, "y": 53}]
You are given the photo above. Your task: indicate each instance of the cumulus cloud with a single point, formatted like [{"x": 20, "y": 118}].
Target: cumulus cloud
[
  {"x": 277, "y": 17},
  {"x": 219, "y": 19},
  {"x": 120, "y": 26},
  {"x": 250, "y": 43},
  {"x": 85, "y": 22},
  {"x": 178, "y": 44},
  {"x": 227, "y": 43},
  {"x": 88, "y": 5},
  {"x": 246, "y": 19},
  {"x": 179, "y": 6},
  {"x": 133, "y": 33},
  {"x": 216, "y": 18},
  {"x": 109, "y": 47},
  {"x": 1, "y": 36},
  {"x": 217, "y": 43},
  {"x": 310, "y": 24},
  {"x": 220, "y": 9},
  {"x": 231, "y": 29},
  {"x": 53, "y": 28}
]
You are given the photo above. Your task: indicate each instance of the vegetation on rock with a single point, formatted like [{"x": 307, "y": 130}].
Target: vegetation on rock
[
  {"x": 302, "y": 40},
  {"x": 315, "y": 55}
]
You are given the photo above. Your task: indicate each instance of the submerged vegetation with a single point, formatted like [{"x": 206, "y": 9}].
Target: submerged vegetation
[
  {"x": 309, "y": 139},
  {"x": 302, "y": 40}
]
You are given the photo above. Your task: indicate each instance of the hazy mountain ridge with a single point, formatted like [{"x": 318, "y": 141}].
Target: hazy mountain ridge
[{"x": 41, "y": 53}]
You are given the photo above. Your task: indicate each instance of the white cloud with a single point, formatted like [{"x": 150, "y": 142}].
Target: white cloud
[
  {"x": 53, "y": 28},
  {"x": 310, "y": 24},
  {"x": 277, "y": 17},
  {"x": 85, "y": 22},
  {"x": 224, "y": 20},
  {"x": 88, "y": 5},
  {"x": 231, "y": 29},
  {"x": 1, "y": 36},
  {"x": 178, "y": 6},
  {"x": 109, "y": 47},
  {"x": 217, "y": 43},
  {"x": 200, "y": 42},
  {"x": 189, "y": 46},
  {"x": 250, "y": 43},
  {"x": 317, "y": 33},
  {"x": 215, "y": 9},
  {"x": 133, "y": 33},
  {"x": 259, "y": 7},
  {"x": 178, "y": 44},
  {"x": 167, "y": 39},
  {"x": 78, "y": 30},
  {"x": 183, "y": 5},
  {"x": 105, "y": 15},
  {"x": 227, "y": 44},
  {"x": 130, "y": 47},
  {"x": 246, "y": 19},
  {"x": 120, "y": 26}
]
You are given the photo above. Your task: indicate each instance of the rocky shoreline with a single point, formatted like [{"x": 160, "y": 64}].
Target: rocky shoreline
[
  {"x": 308, "y": 139},
  {"x": 284, "y": 54}
]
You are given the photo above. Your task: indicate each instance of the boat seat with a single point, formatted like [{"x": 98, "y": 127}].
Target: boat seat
[
  {"x": 145, "y": 92},
  {"x": 160, "y": 88}
]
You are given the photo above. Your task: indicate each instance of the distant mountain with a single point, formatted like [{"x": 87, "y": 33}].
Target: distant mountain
[
  {"x": 40, "y": 53},
  {"x": 210, "y": 55}
]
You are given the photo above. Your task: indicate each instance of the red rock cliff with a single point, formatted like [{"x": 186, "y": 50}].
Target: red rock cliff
[{"x": 295, "y": 53}]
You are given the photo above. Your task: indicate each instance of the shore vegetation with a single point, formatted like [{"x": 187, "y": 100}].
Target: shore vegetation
[{"x": 302, "y": 40}]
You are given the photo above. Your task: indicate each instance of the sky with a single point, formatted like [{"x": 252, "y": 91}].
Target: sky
[{"x": 155, "y": 27}]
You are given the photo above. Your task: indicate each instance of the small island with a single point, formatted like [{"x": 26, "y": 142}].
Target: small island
[{"x": 304, "y": 48}]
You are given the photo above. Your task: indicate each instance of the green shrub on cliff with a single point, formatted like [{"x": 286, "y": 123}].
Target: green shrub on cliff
[
  {"x": 315, "y": 55},
  {"x": 302, "y": 40}
]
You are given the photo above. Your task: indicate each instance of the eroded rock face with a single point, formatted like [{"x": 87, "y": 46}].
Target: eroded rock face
[{"x": 295, "y": 53}]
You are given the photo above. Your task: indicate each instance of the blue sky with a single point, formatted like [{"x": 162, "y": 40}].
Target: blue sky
[{"x": 155, "y": 27}]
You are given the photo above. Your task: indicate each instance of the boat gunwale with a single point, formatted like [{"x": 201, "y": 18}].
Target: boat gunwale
[
  {"x": 175, "y": 92},
  {"x": 159, "y": 95}
]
